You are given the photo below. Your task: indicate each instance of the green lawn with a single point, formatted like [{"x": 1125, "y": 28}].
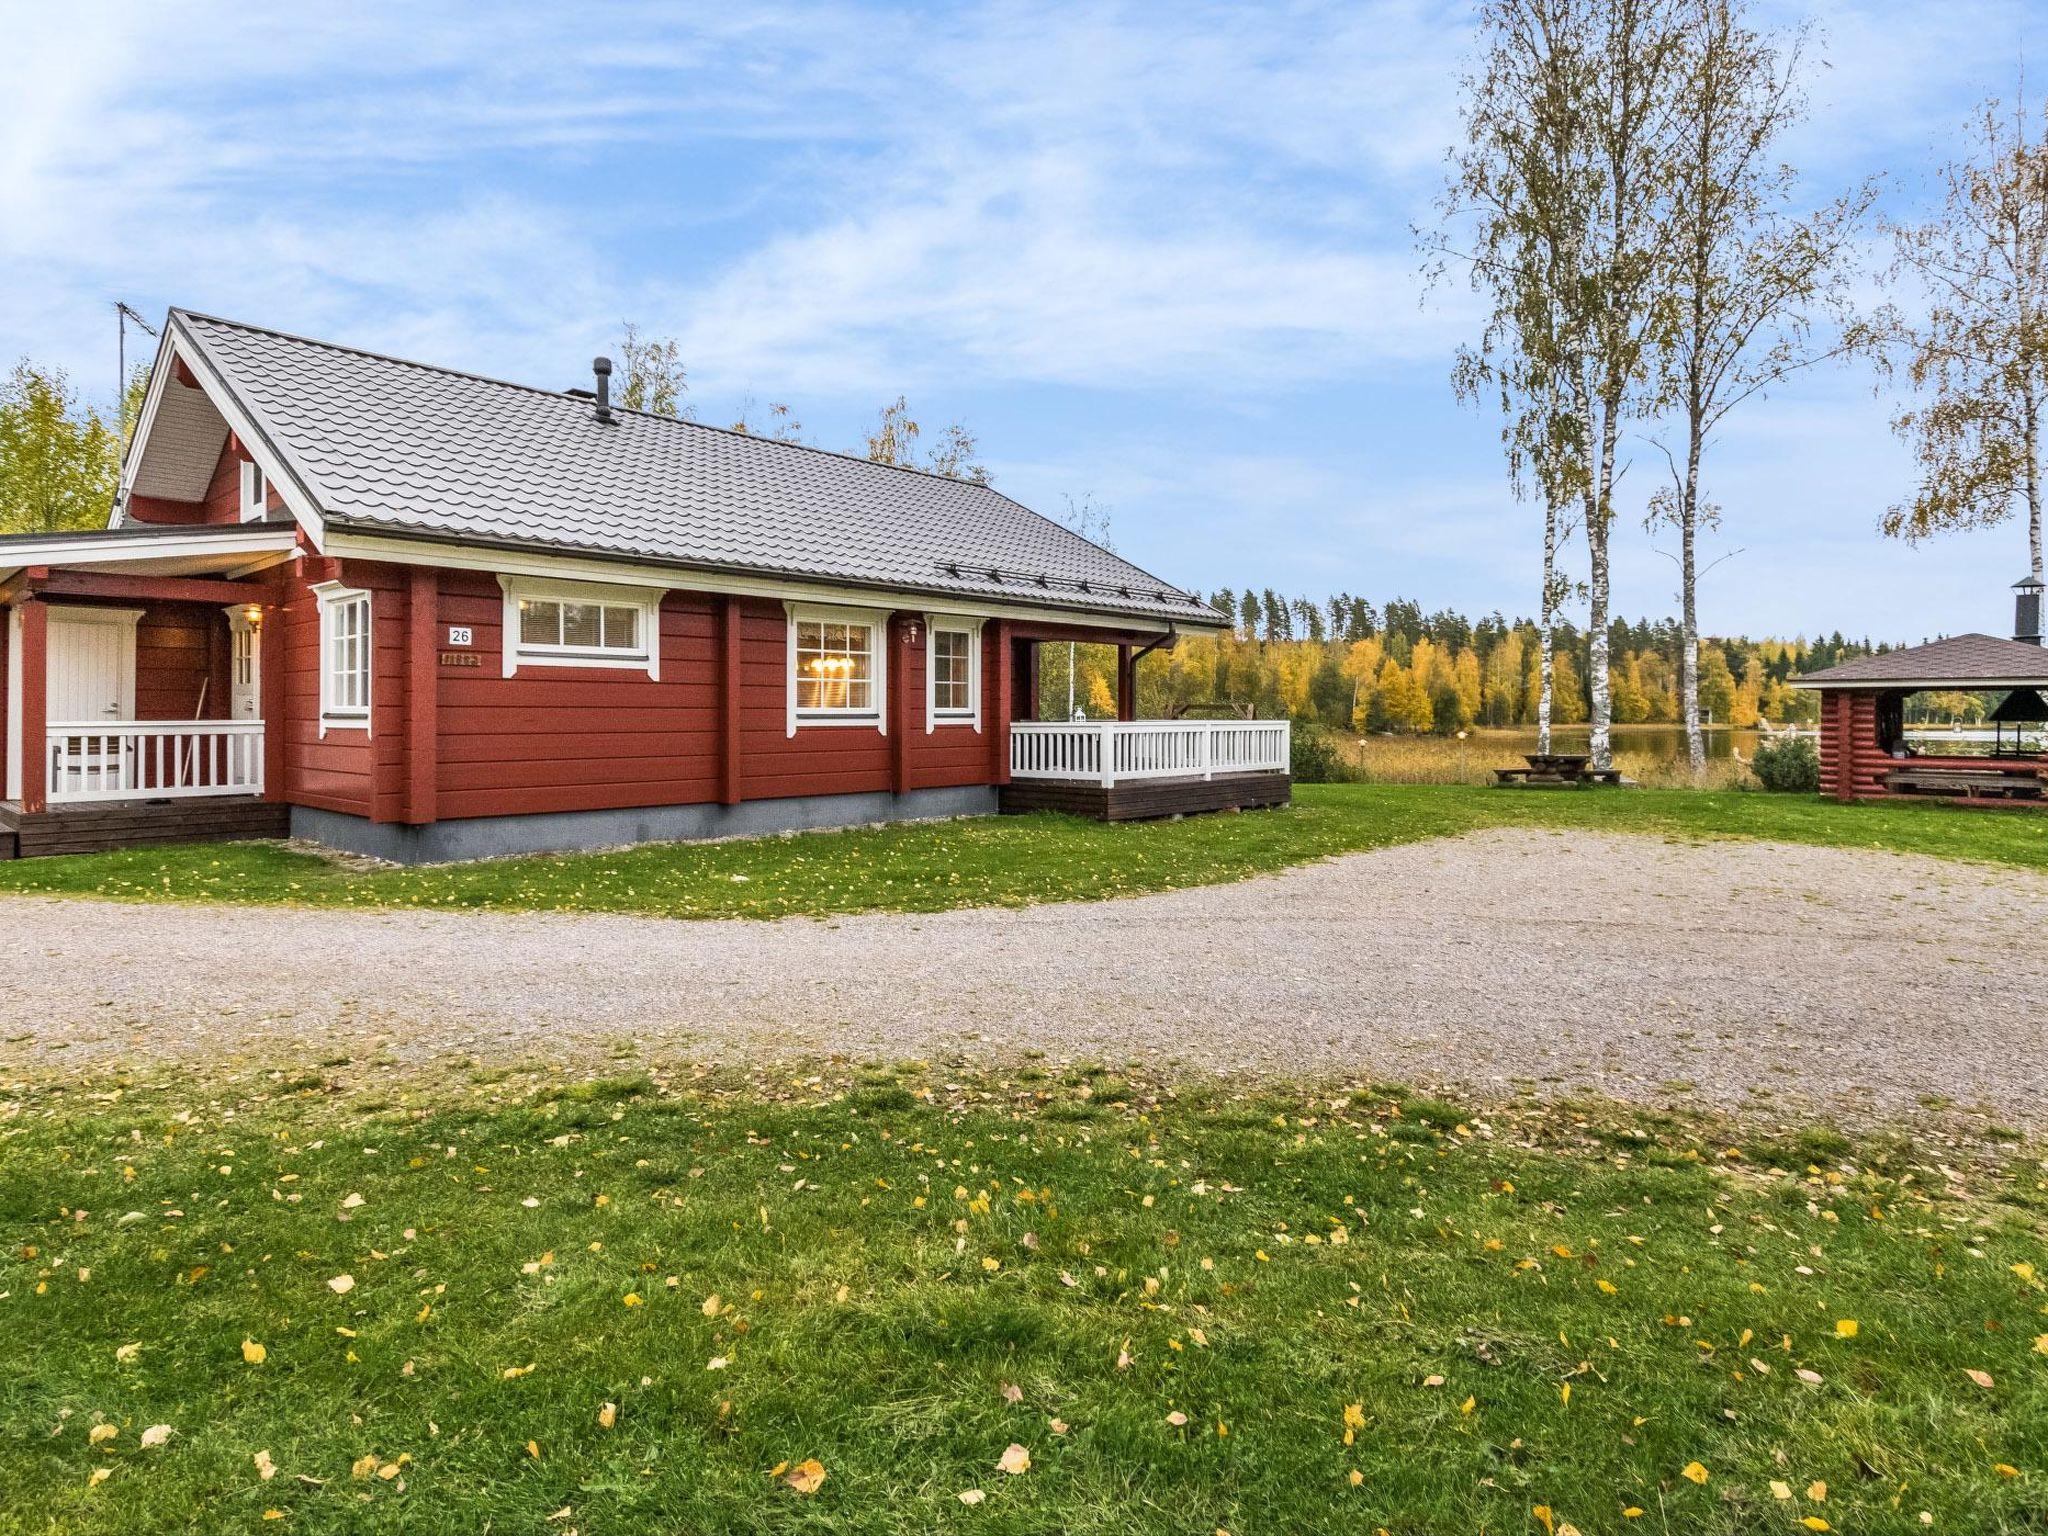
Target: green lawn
[
  {"x": 1016, "y": 860},
  {"x": 526, "y": 1305}
]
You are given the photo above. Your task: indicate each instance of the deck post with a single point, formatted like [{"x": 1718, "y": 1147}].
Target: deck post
[
  {"x": 35, "y": 704},
  {"x": 1108, "y": 750},
  {"x": 1126, "y": 683},
  {"x": 1001, "y": 706}
]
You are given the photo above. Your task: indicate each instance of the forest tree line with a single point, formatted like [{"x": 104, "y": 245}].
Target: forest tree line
[{"x": 1347, "y": 663}]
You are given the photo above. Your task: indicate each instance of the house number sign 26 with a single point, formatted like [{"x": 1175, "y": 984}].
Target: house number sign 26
[{"x": 458, "y": 634}]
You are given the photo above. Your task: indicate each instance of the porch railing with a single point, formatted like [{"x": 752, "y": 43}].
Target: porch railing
[
  {"x": 1110, "y": 752},
  {"x": 153, "y": 760}
]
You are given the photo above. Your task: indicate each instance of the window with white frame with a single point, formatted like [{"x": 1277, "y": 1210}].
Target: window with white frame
[
  {"x": 835, "y": 667},
  {"x": 952, "y": 672},
  {"x": 255, "y": 493},
  {"x": 346, "y": 657},
  {"x": 581, "y": 624}
]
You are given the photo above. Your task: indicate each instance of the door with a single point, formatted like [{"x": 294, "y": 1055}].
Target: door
[
  {"x": 89, "y": 658},
  {"x": 91, "y": 683},
  {"x": 245, "y": 668}
]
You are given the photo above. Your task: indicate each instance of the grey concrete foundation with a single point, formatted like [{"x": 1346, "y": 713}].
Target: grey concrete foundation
[{"x": 494, "y": 837}]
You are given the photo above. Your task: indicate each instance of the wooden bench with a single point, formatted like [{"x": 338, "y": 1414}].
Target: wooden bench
[{"x": 1964, "y": 783}]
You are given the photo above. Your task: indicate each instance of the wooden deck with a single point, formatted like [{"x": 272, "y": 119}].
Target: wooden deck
[
  {"x": 110, "y": 825},
  {"x": 1147, "y": 799}
]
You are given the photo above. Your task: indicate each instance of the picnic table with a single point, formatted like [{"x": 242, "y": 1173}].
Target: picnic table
[{"x": 1557, "y": 770}]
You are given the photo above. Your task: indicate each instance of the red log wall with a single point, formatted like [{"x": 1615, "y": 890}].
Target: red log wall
[
  {"x": 1852, "y": 762},
  {"x": 553, "y": 739}
]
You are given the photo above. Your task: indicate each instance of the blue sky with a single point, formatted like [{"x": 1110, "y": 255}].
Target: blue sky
[{"x": 1160, "y": 255}]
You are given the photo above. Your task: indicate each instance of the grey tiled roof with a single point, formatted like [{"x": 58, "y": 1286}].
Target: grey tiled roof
[
  {"x": 390, "y": 446},
  {"x": 1960, "y": 661}
]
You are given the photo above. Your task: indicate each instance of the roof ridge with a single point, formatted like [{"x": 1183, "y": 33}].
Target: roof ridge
[{"x": 563, "y": 394}]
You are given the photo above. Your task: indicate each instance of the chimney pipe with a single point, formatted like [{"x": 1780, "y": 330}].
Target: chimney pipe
[
  {"x": 602, "y": 367},
  {"x": 2026, "y": 609}
]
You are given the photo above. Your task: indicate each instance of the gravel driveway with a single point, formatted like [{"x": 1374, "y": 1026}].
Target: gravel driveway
[{"x": 1508, "y": 960}]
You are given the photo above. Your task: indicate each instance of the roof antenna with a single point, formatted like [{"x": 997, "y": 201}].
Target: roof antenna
[
  {"x": 122, "y": 315},
  {"x": 602, "y": 367}
]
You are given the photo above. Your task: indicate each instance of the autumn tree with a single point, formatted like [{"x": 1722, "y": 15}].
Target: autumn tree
[
  {"x": 894, "y": 440},
  {"x": 1571, "y": 122},
  {"x": 1976, "y": 354},
  {"x": 651, "y": 374},
  {"x": 1747, "y": 276},
  {"x": 59, "y": 461},
  {"x": 777, "y": 422}
]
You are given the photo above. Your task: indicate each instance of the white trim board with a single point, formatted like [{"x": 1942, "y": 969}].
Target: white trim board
[{"x": 683, "y": 578}]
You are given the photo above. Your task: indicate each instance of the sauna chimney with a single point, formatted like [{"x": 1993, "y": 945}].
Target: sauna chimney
[
  {"x": 2026, "y": 610},
  {"x": 602, "y": 367}
]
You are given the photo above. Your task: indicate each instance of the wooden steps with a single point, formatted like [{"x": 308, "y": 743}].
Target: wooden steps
[{"x": 139, "y": 824}]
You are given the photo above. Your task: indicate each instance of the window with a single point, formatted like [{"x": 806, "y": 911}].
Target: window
[
  {"x": 255, "y": 493},
  {"x": 579, "y": 624},
  {"x": 835, "y": 667},
  {"x": 952, "y": 672},
  {"x": 345, "y": 658}
]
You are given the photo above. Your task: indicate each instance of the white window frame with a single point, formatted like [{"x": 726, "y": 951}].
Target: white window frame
[
  {"x": 644, "y": 657},
  {"x": 332, "y": 596},
  {"x": 875, "y": 717},
  {"x": 934, "y": 717},
  {"x": 255, "y": 492}
]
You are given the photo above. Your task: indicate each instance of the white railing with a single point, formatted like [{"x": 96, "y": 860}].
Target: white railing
[
  {"x": 153, "y": 760},
  {"x": 1114, "y": 751}
]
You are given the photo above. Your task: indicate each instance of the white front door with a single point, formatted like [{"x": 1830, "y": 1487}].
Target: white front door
[
  {"x": 245, "y": 668},
  {"x": 92, "y": 667}
]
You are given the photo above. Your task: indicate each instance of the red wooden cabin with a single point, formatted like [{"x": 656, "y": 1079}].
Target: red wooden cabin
[
  {"x": 1864, "y": 750},
  {"x": 424, "y": 615}
]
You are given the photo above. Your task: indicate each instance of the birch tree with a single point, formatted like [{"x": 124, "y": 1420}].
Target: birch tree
[
  {"x": 1519, "y": 184},
  {"x": 1571, "y": 125},
  {"x": 58, "y": 460},
  {"x": 1748, "y": 278},
  {"x": 1977, "y": 355}
]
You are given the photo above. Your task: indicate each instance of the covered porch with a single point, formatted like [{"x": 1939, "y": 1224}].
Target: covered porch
[
  {"x": 1126, "y": 768},
  {"x": 137, "y": 695}
]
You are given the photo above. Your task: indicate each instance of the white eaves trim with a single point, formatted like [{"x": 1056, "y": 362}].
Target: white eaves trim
[
  {"x": 403, "y": 551},
  {"x": 971, "y": 627},
  {"x": 110, "y": 546},
  {"x": 647, "y": 600}
]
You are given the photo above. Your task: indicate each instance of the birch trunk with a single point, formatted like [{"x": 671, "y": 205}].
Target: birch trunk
[
  {"x": 1688, "y": 578},
  {"x": 1546, "y": 642},
  {"x": 1599, "y": 502}
]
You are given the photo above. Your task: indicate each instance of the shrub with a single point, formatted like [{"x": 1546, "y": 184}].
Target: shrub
[
  {"x": 1315, "y": 756},
  {"x": 1790, "y": 767}
]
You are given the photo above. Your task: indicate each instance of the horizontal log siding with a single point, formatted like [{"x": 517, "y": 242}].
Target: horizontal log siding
[
  {"x": 334, "y": 774},
  {"x": 574, "y": 738},
  {"x": 556, "y": 739},
  {"x": 178, "y": 648}
]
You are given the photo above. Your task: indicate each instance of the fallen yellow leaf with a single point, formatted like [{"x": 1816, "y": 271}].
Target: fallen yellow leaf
[
  {"x": 253, "y": 1352},
  {"x": 806, "y": 1476},
  {"x": 1015, "y": 1460},
  {"x": 1845, "y": 1328},
  {"x": 1694, "y": 1472}
]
